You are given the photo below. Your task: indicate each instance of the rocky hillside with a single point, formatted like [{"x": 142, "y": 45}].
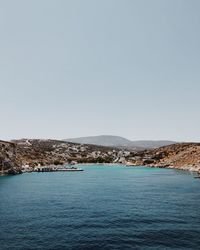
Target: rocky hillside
[
  {"x": 184, "y": 156},
  {"x": 181, "y": 156},
  {"x": 20, "y": 154},
  {"x": 8, "y": 160},
  {"x": 46, "y": 152}
]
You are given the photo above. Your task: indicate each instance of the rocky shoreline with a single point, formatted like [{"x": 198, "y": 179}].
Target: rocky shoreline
[{"x": 25, "y": 155}]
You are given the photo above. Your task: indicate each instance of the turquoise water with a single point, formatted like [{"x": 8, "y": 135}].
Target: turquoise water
[{"x": 103, "y": 207}]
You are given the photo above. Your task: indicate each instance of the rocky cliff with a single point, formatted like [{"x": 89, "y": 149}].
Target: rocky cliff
[{"x": 8, "y": 158}]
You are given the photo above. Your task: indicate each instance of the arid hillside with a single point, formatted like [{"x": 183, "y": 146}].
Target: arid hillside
[
  {"x": 184, "y": 156},
  {"x": 31, "y": 153}
]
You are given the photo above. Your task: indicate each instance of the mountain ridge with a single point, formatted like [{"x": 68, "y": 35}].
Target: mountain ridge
[{"x": 118, "y": 141}]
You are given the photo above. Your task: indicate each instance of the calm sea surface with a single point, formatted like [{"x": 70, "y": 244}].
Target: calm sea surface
[{"x": 103, "y": 207}]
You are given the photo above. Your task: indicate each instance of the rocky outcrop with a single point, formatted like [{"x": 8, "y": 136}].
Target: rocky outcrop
[
  {"x": 8, "y": 159},
  {"x": 185, "y": 156}
]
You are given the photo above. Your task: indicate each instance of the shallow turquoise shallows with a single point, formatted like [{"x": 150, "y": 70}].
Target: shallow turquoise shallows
[{"x": 103, "y": 207}]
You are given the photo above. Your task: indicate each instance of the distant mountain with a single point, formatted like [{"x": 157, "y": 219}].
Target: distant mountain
[
  {"x": 152, "y": 144},
  {"x": 117, "y": 141},
  {"x": 103, "y": 140}
]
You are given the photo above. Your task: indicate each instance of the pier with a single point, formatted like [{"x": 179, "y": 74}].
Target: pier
[{"x": 57, "y": 169}]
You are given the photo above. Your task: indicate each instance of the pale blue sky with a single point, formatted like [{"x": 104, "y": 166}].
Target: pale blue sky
[{"x": 78, "y": 68}]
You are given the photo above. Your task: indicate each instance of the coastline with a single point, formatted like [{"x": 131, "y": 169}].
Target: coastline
[
  {"x": 29, "y": 154},
  {"x": 181, "y": 168}
]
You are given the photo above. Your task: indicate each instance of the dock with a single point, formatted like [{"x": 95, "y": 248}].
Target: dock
[{"x": 57, "y": 169}]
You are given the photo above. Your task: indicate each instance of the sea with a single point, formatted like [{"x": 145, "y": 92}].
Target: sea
[{"x": 105, "y": 207}]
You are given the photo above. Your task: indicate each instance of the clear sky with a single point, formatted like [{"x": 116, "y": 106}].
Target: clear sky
[{"x": 76, "y": 68}]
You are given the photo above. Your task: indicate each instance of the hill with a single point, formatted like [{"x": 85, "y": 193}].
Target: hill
[
  {"x": 103, "y": 140},
  {"x": 27, "y": 154},
  {"x": 23, "y": 154},
  {"x": 117, "y": 141},
  {"x": 185, "y": 156}
]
